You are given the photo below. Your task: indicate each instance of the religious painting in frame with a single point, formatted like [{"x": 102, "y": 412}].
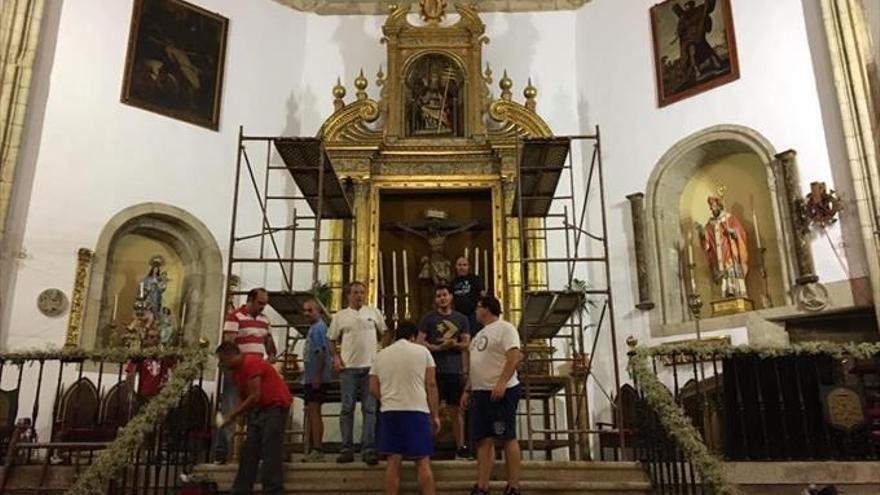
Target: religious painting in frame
[
  {"x": 174, "y": 64},
  {"x": 694, "y": 47}
]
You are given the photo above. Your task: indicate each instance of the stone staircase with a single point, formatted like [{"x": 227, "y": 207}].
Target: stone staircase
[{"x": 454, "y": 478}]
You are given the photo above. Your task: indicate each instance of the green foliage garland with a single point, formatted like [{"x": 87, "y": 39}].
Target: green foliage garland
[
  {"x": 111, "y": 460},
  {"x": 679, "y": 426}
]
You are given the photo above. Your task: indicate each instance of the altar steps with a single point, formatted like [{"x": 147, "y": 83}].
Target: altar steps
[{"x": 453, "y": 477}]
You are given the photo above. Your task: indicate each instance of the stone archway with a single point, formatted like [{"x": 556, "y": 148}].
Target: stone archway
[
  {"x": 184, "y": 235},
  {"x": 665, "y": 187}
]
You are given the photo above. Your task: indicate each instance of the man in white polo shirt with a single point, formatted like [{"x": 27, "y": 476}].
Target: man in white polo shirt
[
  {"x": 492, "y": 393},
  {"x": 357, "y": 328},
  {"x": 403, "y": 379}
]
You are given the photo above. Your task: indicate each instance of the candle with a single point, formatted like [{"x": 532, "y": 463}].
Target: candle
[
  {"x": 115, "y": 306},
  {"x": 486, "y": 269},
  {"x": 757, "y": 231},
  {"x": 466, "y": 254},
  {"x": 477, "y": 261},
  {"x": 141, "y": 290},
  {"x": 381, "y": 275},
  {"x": 405, "y": 274},
  {"x": 394, "y": 273},
  {"x": 690, "y": 250},
  {"x": 183, "y": 316}
]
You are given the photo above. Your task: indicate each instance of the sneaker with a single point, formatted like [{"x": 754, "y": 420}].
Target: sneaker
[
  {"x": 314, "y": 456},
  {"x": 509, "y": 490},
  {"x": 477, "y": 491},
  {"x": 463, "y": 453},
  {"x": 345, "y": 457},
  {"x": 371, "y": 458}
]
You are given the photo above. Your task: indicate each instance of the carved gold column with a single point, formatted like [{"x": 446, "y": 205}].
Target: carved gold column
[
  {"x": 20, "y": 23},
  {"x": 637, "y": 208},
  {"x": 77, "y": 299},
  {"x": 363, "y": 212},
  {"x": 849, "y": 48}
]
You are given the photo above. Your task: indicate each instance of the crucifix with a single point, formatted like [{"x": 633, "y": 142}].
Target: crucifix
[{"x": 435, "y": 229}]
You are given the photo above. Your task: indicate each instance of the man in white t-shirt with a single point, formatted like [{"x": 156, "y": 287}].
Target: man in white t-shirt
[
  {"x": 357, "y": 328},
  {"x": 403, "y": 378},
  {"x": 492, "y": 394}
]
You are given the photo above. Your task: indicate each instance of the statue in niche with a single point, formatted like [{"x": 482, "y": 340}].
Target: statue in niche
[
  {"x": 149, "y": 311},
  {"x": 434, "y": 100},
  {"x": 726, "y": 244},
  {"x": 436, "y": 267}
]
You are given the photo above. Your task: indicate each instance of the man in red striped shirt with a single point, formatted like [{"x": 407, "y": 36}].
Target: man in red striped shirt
[{"x": 248, "y": 328}]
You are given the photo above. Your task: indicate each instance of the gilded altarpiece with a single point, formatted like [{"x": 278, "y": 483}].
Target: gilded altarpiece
[{"x": 435, "y": 126}]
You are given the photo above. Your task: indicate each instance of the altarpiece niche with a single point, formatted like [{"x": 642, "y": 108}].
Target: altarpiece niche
[{"x": 434, "y": 100}]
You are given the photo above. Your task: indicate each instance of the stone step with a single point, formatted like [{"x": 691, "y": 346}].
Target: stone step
[{"x": 453, "y": 477}]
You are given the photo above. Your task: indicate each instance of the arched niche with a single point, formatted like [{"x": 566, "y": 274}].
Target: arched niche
[
  {"x": 191, "y": 256},
  {"x": 676, "y": 198},
  {"x": 434, "y": 96}
]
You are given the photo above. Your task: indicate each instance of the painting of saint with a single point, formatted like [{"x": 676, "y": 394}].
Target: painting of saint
[
  {"x": 175, "y": 59},
  {"x": 694, "y": 47}
]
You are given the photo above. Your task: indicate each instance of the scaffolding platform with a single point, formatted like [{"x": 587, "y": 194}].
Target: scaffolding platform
[
  {"x": 541, "y": 164},
  {"x": 546, "y": 312},
  {"x": 289, "y": 305},
  {"x": 310, "y": 167}
]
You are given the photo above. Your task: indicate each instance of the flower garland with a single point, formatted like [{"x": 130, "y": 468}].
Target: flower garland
[
  {"x": 115, "y": 355},
  {"x": 118, "y": 454},
  {"x": 679, "y": 426}
]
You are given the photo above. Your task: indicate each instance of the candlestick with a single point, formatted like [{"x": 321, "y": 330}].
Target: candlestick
[
  {"x": 405, "y": 274},
  {"x": 486, "y": 269},
  {"x": 690, "y": 250},
  {"x": 115, "y": 306},
  {"x": 477, "y": 261},
  {"x": 757, "y": 231}
]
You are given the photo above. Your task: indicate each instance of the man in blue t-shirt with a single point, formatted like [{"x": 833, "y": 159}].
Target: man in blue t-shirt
[
  {"x": 318, "y": 366},
  {"x": 445, "y": 332}
]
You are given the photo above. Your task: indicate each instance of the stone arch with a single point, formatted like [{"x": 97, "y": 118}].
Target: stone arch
[
  {"x": 665, "y": 186},
  {"x": 197, "y": 249}
]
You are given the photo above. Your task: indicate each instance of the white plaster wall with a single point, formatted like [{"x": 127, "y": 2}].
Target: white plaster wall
[
  {"x": 872, "y": 13},
  {"x": 98, "y": 156}
]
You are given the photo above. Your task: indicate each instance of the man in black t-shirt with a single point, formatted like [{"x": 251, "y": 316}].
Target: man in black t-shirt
[
  {"x": 466, "y": 292},
  {"x": 445, "y": 333}
]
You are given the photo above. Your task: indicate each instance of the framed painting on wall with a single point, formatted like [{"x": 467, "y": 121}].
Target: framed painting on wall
[
  {"x": 174, "y": 64},
  {"x": 694, "y": 47}
]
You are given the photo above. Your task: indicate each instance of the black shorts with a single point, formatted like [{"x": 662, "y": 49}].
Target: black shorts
[
  {"x": 494, "y": 418},
  {"x": 319, "y": 395},
  {"x": 449, "y": 385}
]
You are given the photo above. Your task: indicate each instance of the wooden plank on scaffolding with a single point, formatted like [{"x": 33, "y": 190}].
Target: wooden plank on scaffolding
[
  {"x": 302, "y": 156},
  {"x": 541, "y": 161},
  {"x": 546, "y": 312}
]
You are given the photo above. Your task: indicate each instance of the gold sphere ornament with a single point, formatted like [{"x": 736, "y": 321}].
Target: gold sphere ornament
[
  {"x": 360, "y": 81},
  {"x": 339, "y": 89},
  {"x": 506, "y": 83},
  {"x": 530, "y": 92}
]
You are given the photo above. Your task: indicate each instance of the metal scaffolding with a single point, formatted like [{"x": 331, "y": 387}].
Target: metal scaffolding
[{"x": 557, "y": 242}]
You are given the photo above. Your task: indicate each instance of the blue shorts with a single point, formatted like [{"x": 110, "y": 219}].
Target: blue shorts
[
  {"x": 406, "y": 433},
  {"x": 491, "y": 418}
]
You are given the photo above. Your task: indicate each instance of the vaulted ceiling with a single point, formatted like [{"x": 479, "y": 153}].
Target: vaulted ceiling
[{"x": 342, "y": 7}]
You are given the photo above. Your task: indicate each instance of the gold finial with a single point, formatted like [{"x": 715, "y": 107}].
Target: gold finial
[
  {"x": 380, "y": 77},
  {"x": 505, "y": 84},
  {"x": 338, "y": 95},
  {"x": 487, "y": 75},
  {"x": 632, "y": 342},
  {"x": 360, "y": 82},
  {"x": 531, "y": 92}
]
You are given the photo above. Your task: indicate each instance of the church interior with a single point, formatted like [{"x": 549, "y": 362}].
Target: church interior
[{"x": 676, "y": 203}]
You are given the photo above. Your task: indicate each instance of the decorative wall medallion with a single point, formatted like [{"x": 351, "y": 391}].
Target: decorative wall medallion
[
  {"x": 844, "y": 408},
  {"x": 52, "y": 302},
  {"x": 820, "y": 207},
  {"x": 812, "y": 297}
]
